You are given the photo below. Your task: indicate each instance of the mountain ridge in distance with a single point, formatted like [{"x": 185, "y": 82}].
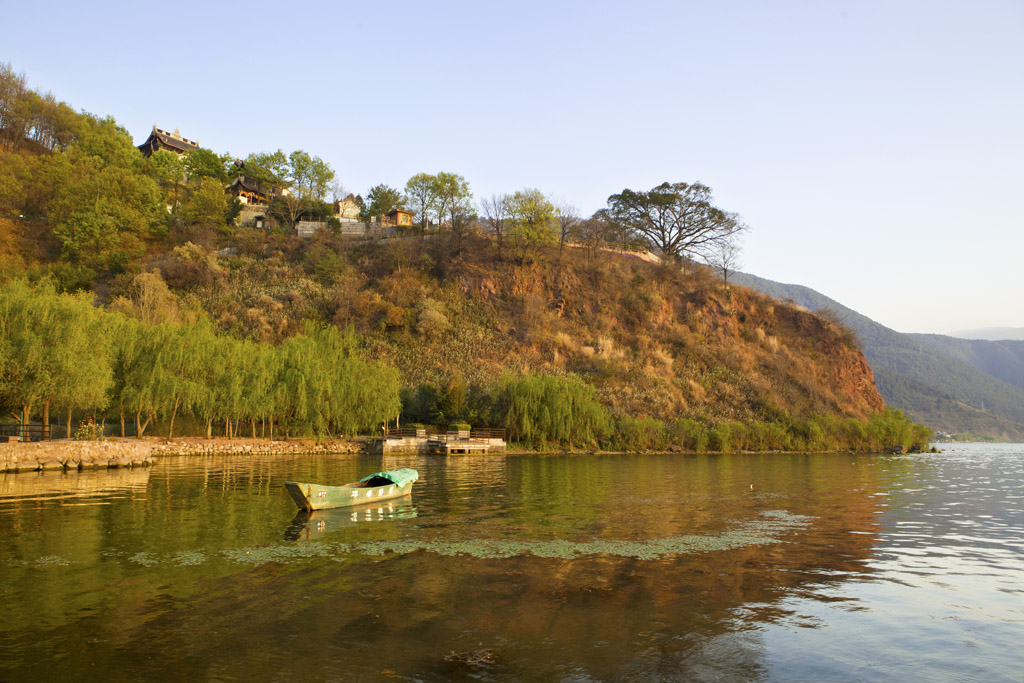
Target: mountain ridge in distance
[
  {"x": 973, "y": 387},
  {"x": 991, "y": 334}
]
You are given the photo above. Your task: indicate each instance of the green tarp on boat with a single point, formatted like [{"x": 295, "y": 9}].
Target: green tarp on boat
[{"x": 399, "y": 476}]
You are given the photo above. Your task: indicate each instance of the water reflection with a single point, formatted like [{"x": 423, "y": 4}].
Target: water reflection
[
  {"x": 513, "y": 568},
  {"x": 318, "y": 524},
  {"x": 74, "y": 487}
]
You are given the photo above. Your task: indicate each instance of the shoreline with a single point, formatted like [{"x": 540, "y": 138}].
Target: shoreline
[{"x": 110, "y": 453}]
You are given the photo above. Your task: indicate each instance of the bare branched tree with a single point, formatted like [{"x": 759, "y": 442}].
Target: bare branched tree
[
  {"x": 568, "y": 217},
  {"x": 724, "y": 257},
  {"x": 495, "y": 212},
  {"x": 338, "y": 191}
]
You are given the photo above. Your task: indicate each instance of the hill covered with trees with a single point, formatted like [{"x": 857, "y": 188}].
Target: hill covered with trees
[{"x": 517, "y": 313}]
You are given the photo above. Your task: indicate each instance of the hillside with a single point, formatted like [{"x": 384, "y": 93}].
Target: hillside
[
  {"x": 188, "y": 253},
  {"x": 952, "y": 385},
  {"x": 653, "y": 343},
  {"x": 670, "y": 358}
]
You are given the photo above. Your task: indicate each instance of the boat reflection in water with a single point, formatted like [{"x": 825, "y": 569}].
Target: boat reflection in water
[{"x": 313, "y": 525}]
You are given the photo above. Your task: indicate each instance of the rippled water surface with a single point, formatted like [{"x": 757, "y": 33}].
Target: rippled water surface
[{"x": 561, "y": 568}]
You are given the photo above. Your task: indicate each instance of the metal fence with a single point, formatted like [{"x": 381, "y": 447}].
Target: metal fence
[{"x": 12, "y": 431}]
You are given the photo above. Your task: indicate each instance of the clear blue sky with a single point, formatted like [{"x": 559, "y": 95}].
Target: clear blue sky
[{"x": 875, "y": 149}]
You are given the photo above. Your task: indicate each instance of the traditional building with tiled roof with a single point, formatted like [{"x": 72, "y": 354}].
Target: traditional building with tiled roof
[
  {"x": 172, "y": 142},
  {"x": 250, "y": 191}
]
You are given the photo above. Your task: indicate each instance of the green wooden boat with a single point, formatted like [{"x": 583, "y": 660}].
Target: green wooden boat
[{"x": 374, "y": 488}]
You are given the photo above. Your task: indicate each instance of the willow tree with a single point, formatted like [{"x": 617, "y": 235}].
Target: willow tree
[
  {"x": 126, "y": 333},
  {"x": 137, "y": 371},
  {"x": 219, "y": 392},
  {"x": 53, "y": 350},
  {"x": 83, "y": 361},
  {"x": 182, "y": 380},
  {"x": 545, "y": 408},
  {"x": 261, "y": 370},
  {"x": 324, "y": 387},
  {"x": 231, "y": 390}
]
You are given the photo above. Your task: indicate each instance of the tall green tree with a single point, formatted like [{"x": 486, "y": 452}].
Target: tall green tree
[
  {"x": 676, "y": 219},
  {"x": 326, "y": 388},
  {"x": 380, "y": 200},
  {"x": 532, "y": 220},
  {"x": 419, "y": 193},
  {"x": 270, "y": 168},
  {"x": 203, "y": 163},
  {"x": 127, "y": 333},
  {"x": 206, "y": 205},
  {"x": 103, "y": 203},
  {"x": 452, "y": 197},
  {"x": 311, "y": 176}
]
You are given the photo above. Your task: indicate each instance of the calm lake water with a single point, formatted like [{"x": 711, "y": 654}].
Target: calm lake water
[{"x": 548, "y": 568}]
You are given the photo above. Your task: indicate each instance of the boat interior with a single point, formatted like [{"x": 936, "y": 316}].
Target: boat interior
[{"x": 376, "y": 481}]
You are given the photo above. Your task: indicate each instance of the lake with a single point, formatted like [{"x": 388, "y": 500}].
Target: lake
[{"x": 536, "y": 567}]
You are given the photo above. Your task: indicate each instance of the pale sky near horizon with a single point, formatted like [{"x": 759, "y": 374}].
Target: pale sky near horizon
[{"x": 875, "y": 149}]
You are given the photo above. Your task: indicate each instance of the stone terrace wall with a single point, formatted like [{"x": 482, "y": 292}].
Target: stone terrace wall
[
  {"x": 203, "y": 447},
  {"x": 60, "y": 455},
  {"x": 64, "y": 454}
]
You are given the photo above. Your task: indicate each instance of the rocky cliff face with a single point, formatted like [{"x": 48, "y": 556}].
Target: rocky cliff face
[{"x": 655, "y": 343}]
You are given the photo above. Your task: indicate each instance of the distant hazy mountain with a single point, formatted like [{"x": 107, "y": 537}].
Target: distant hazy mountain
[
  {"x": 992, "y": 333},
  {"x": 1001, "y": 359},
  {"x": 953, "y": 385}
]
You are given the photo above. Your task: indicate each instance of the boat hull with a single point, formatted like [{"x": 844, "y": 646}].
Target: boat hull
[{"x": 319, "y": 497}]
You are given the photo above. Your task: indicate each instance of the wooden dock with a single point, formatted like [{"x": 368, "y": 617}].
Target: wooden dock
[
  {"x": 410, "y": 440},
  {"x": 465, "y": 446}
]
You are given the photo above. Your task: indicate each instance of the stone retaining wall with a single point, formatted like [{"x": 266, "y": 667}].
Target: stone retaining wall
[
  {"x": 254, "y": 448},
  {"x": 65, "y": 454},
  {"x": 61, "y": 455}
]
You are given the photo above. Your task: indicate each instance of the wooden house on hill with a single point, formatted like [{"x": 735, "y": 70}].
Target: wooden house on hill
[
  {"x": 399, "y": 217},
  {"x": 250, "y": 191},
  {"x": 172, "y": 142}
]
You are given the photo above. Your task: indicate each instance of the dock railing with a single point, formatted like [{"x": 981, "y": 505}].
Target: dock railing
[{"x": 435, "y": 435}]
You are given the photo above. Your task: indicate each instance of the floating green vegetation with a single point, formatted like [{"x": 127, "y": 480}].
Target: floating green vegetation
[
  {"x": 282, "y": 553},
  {"x": 145, "y": 559},
  {"x": 766, "y": 529},
  {"x": 50, "y": 561},
  {"x": 189, "y": 559},
  {"x": 762, "y": 531}
]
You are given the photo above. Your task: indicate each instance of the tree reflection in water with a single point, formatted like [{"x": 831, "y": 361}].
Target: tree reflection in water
[{"x": 213, "y": 575}]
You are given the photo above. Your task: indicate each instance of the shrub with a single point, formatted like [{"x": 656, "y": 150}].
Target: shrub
[
  {"x": 689, "y": 434},
  {"x": 88, "y": 430},
  {"x": 721, "y": 438},
  {"x": 639, "y": 434}
]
